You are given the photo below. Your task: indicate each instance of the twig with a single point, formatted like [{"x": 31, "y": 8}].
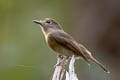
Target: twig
[{"x": 61, "y": 73}]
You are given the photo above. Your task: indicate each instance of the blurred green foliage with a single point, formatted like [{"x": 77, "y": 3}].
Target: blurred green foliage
[{"x": 24, "y": 54}]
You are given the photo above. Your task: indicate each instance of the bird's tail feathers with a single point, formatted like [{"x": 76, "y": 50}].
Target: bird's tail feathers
[{"x": 100, "y": 64}]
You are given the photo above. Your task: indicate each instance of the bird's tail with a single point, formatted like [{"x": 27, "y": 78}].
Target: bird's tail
[
  {"x": 88, "y": 56},
  {"x": 100, "y": 64}
]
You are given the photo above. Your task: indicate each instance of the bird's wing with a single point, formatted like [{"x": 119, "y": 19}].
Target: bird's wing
[{"x": 68, "y": 42}]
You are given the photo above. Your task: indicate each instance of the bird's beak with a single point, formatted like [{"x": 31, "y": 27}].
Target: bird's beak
[{"x": 38, "y": 21}]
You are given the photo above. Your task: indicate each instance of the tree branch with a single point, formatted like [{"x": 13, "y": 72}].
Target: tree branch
[{"x": 61, "y": 72}]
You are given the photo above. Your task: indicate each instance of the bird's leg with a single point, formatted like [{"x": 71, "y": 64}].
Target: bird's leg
[
  {"x": 62, "y": 59},
  {"x": 59, "y": 56}
]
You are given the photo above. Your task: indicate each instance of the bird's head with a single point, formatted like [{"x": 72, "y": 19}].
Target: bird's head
[{"x": 48, "y": 23}]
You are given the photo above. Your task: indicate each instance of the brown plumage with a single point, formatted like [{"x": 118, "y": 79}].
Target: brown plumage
[{"x": 62, "y": 43}]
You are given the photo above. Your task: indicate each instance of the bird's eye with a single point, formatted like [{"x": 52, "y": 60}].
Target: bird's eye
[{"x": 48, "y": 21}]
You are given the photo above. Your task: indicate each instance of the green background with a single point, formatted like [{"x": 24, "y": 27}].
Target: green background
[{"x": 24, "y": 54}]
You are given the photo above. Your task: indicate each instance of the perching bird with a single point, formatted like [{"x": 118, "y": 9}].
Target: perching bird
[{"x": 62, "y": 43}]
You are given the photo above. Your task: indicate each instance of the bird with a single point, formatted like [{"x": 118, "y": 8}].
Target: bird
[{"x": 61, "y": 42}]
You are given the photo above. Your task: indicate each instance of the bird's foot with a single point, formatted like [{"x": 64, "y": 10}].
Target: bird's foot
[
  {"x": 61, "y": 61},
  {"x": 59, "y": 56}
]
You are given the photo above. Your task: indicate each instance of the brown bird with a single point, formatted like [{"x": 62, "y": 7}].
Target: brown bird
[{"x": 62, "y": 43}]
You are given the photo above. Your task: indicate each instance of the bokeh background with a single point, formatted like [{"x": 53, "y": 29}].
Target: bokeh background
[{"x": 24, "y": 54}]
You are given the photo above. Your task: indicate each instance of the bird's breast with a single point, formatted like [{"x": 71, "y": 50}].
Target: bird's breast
[
  {"x": 52, "y": 43},
  {"x": 55, "y": 46}
]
